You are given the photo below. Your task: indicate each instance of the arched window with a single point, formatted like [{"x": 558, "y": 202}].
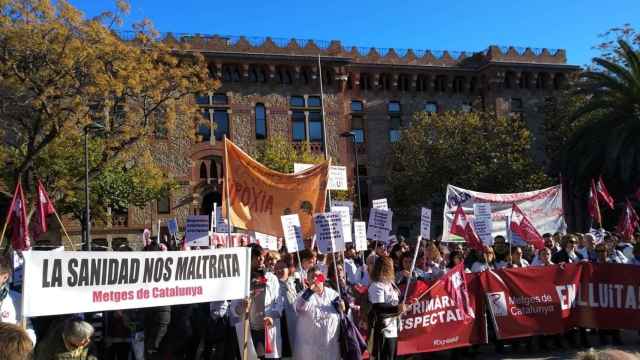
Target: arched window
[
  {"x": 261, "y": 122},
  {"x": 203, "y": 170},
  {"x": 213, "y": 170}
]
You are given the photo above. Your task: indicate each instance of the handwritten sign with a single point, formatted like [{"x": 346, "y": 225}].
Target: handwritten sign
[
  {"x": 346, "y": 221},
  {"x": 267, "y": 241},
  {"x": 337, "y": 178},
  {"x": 425, "y": 223},
  {"x": 379, "y": 224},
  {"x": 380, "y": 204},
  {"x": 292, "y": 232},
  {"x": 329, "y": 232},
  {"x": 360, "y": 235},
  {"x": 482, "y": 222}
]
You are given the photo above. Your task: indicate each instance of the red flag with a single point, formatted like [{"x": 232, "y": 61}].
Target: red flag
[
  {"x": 459, "y": 222},
  {"x": 524, "y": 228},
  {"x": 455, "y": 283},
  {"x": 17, "y": 218},
  {"x": 603, "y": 194},
  {"x": 45, "y": 208},
  {"x": 592, "y": 205},
  {"x": 472, "y": 239},
  {"x": 628, "y": 221}
]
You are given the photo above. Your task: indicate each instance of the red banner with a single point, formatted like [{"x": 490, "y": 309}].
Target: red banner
[
  {"x": 435, "y": 322},
  {"x": 548, "y": 300}
]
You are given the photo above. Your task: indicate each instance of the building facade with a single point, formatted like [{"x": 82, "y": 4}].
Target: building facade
[{"x": 273, "y": 87}]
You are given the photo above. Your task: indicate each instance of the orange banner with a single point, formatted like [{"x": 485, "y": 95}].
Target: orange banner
[{"x": 260, "y": 196}]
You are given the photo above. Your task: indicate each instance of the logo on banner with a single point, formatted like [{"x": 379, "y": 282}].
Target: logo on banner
[{"x": 498, "y": 303}]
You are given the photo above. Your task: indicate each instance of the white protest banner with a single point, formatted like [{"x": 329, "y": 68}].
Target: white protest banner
[
  {"x": 172, "y": 225},
  {"x": 222, "y": 225},
  {"x": 197, "y": 230},
  {"x": 82, "y": 281},
  {"x": 298, "y": 167},
  {"x": 379, "y": 224},
  {"x": 425, "y": 224},
  {"x": 360, "y": 235},
  {"x": 482, "y": 222},
  {"x": 328, "y": 232},
  {"x": 542, "y": 207},
  {"x": 268, "y": 242},
  {"x": 380, "y": 204},
  {"x": 337, "y": 178},
  {"x": 348, "y": 204},
  {"x": 292, "y": 232},
  {"x": 346, "y": 221}
]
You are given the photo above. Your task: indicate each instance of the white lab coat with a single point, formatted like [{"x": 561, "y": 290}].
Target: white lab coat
[
  {"x": 318, "y": 327},
  {"x": 11, "y": 313},
  {"x": 273, "y": 307},
  {"x": 289, "y": 295}
]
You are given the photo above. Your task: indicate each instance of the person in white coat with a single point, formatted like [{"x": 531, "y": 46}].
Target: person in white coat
[
  {"x": 317, "y": 331},
  {"x": 11, "y": 301}
]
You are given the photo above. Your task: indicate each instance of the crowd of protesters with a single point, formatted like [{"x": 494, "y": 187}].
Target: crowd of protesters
[{"x": 303, "y": 305}]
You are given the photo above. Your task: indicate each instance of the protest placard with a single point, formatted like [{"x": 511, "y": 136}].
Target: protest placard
[
  {"x": 425, "y": 224},
  {"x": 348, "y": 204},
  {"x": 329, "y": 235},
  {"x": 380, "y": 204},
  {"x": 337, "y": 178},
  {"x": 360, "y": 235},
  {"x": 379, "y": 224},
  {"x": 292, "y": 233},
  {"x": 268, "y": 242},
  {"x": 482, "y": 222},
  {"x": 346, "y": 221},
  {"x": 197, "y": 230},
  {"x": 222, "y": 225},
  {"x": 83, "y": 282},
  {"x": 172, "y": 225}
]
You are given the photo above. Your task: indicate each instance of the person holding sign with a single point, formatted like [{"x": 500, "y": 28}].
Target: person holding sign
[
  {"x": 386, "y": 309},
  {"x": 318, "y": 309},
  {"x": 11, "y": 301}
]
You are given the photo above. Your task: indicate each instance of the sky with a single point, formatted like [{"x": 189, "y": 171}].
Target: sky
[{"x": 466, "y": 25}]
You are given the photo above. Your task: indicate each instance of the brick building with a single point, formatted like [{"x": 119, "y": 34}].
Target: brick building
[{"x": 272, "y": 86}]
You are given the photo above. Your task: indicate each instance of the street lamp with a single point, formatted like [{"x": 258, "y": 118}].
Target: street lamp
[
  {"x": 352, "y": 135},
  {"x": 87, "y": 213}
]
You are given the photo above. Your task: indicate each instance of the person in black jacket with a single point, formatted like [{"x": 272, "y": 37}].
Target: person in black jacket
[{"x": 568, "y": 254}]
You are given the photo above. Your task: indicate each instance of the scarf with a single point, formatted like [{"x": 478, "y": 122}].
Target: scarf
[{"x": 4, "y": 291}]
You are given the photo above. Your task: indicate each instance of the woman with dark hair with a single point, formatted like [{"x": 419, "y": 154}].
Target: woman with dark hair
[
  {"x": 455, "y": 258},
  {"x": 384, "y": 318},
  {"x": 396, "y": 254}
]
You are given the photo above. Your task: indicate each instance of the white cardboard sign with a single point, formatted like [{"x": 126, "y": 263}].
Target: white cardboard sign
[
  {"x": 360, "y": 235},
  {"x": 346, "y": 221},
  {"x": 292, "y": 232},
  {"x": 379, "y": 224},
  {"x": 222, "y": 225},
  {"x": 425, "y": 224},
  {"x": 268, "y": 242},
  {"x": 197, "y": 230},
  {"x": 380, "y": 204},
  {"x": 348, "y": 204},
  {"x": 482, "y": 222},
  {"x": 329, "y": 235},
  {"x": 337, "y": 179}
]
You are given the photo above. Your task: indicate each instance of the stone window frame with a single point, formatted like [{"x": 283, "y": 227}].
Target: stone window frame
[
  {"x": 306, "y": 110},
  {"x": 210, "y": 108},
  {"x": 358, "y": 115},
  {"x": 164, "y": 210},
  {"x": 395, "y": 121},
  {"x": 266, "y": 127}
]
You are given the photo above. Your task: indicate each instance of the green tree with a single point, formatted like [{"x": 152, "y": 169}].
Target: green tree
[
  {"x": 278, "y": 153},
  {"x": 60, "y": 71},
  {"x": 606, "y": 142},
  {"x": 477, "y": 150}
]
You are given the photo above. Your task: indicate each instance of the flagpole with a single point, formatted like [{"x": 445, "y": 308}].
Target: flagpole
[
  {"x": 413, "y": 266},
  {"x": 6, "y": 221},
  {"x": 226, "y": 189},
  {"x": 245, "y": 313},
  {"x": 4, "y": 229},
  {"x": 326, "y": 158},
  {"x": 55, "y": 212}
]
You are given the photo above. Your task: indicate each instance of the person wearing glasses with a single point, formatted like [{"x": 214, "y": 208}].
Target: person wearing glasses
[{"x": 568, "y": 254}]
